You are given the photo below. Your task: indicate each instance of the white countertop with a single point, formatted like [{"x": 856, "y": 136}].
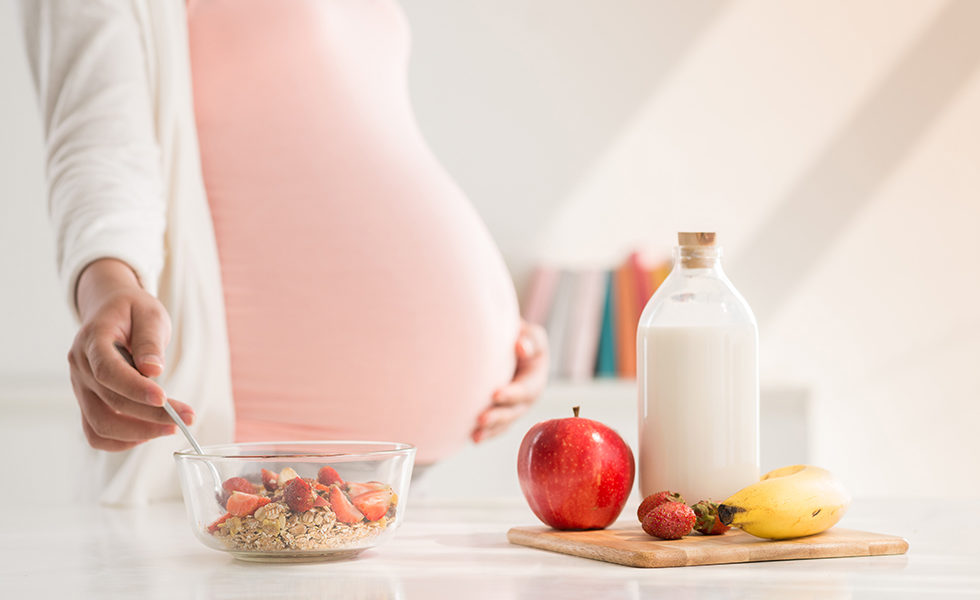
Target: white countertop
[{"x": 459, "y": 550}]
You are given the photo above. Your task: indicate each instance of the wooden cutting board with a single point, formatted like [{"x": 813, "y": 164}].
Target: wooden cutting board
[{"x": 632, "y": 547}]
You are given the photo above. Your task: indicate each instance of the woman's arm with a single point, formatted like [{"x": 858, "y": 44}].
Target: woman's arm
[
  {"x": 106, "y": 204},
  {"x": 105, "y": 196}
]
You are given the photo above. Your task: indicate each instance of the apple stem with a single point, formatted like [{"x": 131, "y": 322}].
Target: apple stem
[{"x": 575, "y": 410}]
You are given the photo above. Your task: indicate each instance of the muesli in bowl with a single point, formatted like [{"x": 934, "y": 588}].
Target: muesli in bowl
[{"x": 296, "y": 500}]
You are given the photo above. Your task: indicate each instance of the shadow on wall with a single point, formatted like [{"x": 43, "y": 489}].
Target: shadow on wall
[
  {"x": 867, "y": 148},
  {"x": 545, "y": 89}
]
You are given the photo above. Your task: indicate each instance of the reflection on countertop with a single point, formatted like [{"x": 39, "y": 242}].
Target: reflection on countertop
[{"x": 458, "y": 549}]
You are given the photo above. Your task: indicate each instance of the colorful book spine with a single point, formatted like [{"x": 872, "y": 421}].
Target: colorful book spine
[
  {"x": 584, "y": 324},
  {"x": 642, "y": 279},
  {"x": 606, "y": 354},
  {"x": 557, "y": 325},
  {"x": 626, "y": 319},
  {"x": 540, "y": 293},
  {"x": 591, "y": 315},
  {"x": 658, "y": 273}
]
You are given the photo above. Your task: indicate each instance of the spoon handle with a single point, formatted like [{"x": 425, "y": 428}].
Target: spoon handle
[
  {"x": 183, "y": 427},
  {"x": 166, "y": 405}
]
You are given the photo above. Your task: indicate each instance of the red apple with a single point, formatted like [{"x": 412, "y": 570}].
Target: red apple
[{"x": 575, "y": 473}]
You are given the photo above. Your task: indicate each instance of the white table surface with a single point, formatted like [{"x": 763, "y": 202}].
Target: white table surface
[{"x": 459, "y": 550}]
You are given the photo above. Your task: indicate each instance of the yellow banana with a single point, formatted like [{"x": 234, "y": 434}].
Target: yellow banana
[{"x": 786, "y": 503}]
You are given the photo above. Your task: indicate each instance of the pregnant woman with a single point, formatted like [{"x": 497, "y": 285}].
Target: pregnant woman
[{"x": 242, "y": 199}]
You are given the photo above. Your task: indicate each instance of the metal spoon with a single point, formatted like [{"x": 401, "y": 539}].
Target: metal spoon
[{"x": 219, "y": 490}]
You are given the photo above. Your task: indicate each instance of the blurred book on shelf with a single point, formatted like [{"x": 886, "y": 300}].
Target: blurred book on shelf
[{"x": 591, "y": 315}]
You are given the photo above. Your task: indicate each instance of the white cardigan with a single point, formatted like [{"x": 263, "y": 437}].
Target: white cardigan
[{"x": 124, "y": 179}]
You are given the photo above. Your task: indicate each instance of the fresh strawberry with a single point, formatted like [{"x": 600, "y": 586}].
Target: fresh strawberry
[
  {"x": 320, "y": 487},
  {"x": 241, "y": 504},
  {"x": 320, "y": 501},
  {"x": 239, "y": 484},
  {"x": 286, "y": 474},
  {"x": 654, "y": 500},
  {"x": 669, "y": 521},
  {"x": 342, "y": 507},
  {"x": 214, "y": 526},
  {"x": 328, "y": 475},
  {"x": 374, "y": 504},
  {"x": 356, "y": 489},
  {"x": 298, "y": 494},
  {"x": 707, "y": 522},
  {"x": 270, "y": 480}
]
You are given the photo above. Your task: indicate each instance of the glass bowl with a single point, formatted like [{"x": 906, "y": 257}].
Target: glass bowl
[{"x": 347, "y": 496}]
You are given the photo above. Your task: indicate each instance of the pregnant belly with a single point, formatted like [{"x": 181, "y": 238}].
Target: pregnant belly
[
  {"x": 364, "y": 296},
  {"x": 386, "y": 312}
]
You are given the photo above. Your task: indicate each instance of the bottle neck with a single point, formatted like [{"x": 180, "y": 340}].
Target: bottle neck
[{"x": 700, "y": 258}]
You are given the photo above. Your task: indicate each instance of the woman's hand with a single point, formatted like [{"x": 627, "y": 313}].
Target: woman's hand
[
  {"x": 120, "y": 406},
  {"x": 512, "y": 400}
]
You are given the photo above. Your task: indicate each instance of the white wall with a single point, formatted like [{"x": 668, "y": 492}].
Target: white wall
[
  {"x": 520, "y": 97},
  {"x": 833, "y": 145}
]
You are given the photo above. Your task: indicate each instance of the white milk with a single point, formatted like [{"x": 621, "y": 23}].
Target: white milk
[
  {"x": 698, "y": 375},
  {"x": 698, "y": 409}
]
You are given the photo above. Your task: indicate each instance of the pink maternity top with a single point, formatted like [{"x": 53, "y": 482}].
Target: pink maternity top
[{"x": 365, "y": 298}]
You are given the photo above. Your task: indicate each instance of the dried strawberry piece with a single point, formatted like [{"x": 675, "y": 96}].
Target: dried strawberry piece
[
  {"x": 214, "y": 526},
  {"x": 374, "y": 505},
  {"x": 235, "y": 484},
  {"x": 239, "y": 484},
  {"x": 270, "y": 480},
  {"x": 328, "y": 475},
  {"x": 356, "y": 489},
  {"x": 298, "y": 495},
  {"x": 342, "y": 507},
  {"x": 241, "y": 504}
]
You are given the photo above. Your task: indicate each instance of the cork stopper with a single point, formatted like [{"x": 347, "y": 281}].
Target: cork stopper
[
  {"x": 696, "y": 238},
  {"x": 697, "y": 249}
]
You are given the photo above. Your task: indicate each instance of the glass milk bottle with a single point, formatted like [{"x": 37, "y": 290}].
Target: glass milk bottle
[{"x": 698, "y": 378}]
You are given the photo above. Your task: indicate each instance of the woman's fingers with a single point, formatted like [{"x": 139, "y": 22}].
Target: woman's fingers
[
  {"x": 150, "y": 335},
  {"x": 94, "y": 439},
  {"x": 486, "y": 433},
  {"x": 113, "y": 422},
  {"x": 496, "y": 420},
  {"x": 110, "y": 370},
  {"x": 106, "y": 424},
  {"x": 523, "y": 390},
  {"x": 184, "y": 410},
  {"x": 100, "y": 443},
  {"x": 532, "y": 341},
  {"x": 125, "y": 406},
  {"x": 497, "y": 415},
  {"x": 512, "y": 400},
  {"x": 531, "y": 373}
]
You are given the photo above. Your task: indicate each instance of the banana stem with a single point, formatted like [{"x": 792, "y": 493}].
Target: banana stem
[{"x": 727, "y": 513}]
